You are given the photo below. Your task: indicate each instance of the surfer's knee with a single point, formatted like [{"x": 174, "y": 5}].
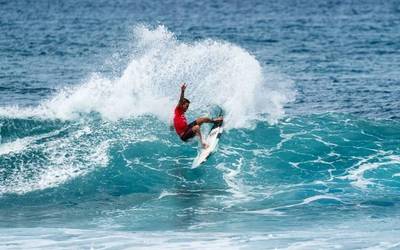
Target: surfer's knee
[
  {"x": 196, "y": 128},
  {"x": 200, "y": 120}
]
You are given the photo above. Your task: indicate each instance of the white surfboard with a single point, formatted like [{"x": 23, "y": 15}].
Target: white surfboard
[{"x": 212, "y": 141}]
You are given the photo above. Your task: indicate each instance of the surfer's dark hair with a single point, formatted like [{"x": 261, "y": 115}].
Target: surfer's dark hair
[{"x": 185, "y": 100}]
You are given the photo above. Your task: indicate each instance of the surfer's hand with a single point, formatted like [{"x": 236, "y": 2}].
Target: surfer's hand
[{"x": 183, "y": 86}]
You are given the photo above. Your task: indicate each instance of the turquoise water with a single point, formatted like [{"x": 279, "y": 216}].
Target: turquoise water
[{"x": 310, "y": 157}]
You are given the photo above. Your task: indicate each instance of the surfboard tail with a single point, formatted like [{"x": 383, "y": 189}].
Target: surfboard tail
[
  {"x": 220, "y": 111},
  {"x": 219, "y": 114}
]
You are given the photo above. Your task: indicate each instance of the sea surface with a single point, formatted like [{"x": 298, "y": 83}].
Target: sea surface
[{"x": 310, "y": 157}]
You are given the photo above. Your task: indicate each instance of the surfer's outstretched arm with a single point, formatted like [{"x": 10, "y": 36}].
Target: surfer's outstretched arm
[{"x": 182, "y": 97}]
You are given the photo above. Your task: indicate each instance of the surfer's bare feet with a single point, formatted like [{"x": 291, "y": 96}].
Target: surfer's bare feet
[{"x": 205, "y": 145}]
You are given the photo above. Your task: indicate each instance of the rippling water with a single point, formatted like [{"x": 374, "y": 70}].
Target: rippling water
[{"x": 310, "y": 157}]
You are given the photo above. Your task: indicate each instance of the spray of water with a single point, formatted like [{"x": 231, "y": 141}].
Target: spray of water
[{"x": 217, "y": 72}]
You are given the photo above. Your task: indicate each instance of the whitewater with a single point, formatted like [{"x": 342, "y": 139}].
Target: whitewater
[{"x": 88, "y": 159}]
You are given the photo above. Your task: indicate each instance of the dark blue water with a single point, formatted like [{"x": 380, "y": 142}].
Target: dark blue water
[{"x": 310, "y": 157}]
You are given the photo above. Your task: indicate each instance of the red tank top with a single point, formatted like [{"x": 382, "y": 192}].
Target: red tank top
[{"x": 180, "y": 122}]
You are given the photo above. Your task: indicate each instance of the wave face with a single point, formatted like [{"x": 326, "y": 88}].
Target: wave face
[
  {"x": 298, "y": 168},
  {"x": 101, "y": 180},
  {"x": 322, "y": 149}
]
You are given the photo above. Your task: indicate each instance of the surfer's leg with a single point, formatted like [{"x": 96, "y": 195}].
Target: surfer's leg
[
  {"x": 189, "y": 133},
  {"x": 202, "y": 120},
  {"x": 197, "y": 131}
]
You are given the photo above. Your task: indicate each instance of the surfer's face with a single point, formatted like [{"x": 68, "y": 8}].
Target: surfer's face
[{"x": 185, "y": 106}]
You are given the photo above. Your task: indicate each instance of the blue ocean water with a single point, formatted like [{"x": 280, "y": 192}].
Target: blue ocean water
[{"x": 310, "y": 157}]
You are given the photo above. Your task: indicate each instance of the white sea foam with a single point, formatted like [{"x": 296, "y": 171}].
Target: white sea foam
[
  {"x": 319, "y": 197},
  {"x": 217, "y": 73},
  {"x": 166, "y": 193},
  {"x": 339, "y": 235},
  {"x": 274, "y": 211},
  {"x": 61, "y": 159},
  {"x": 357, "y": 172},
  {"x": 21, "y": 144},
  {"x": 231, "y": 175},
  {"x": 14, "y": 146}
]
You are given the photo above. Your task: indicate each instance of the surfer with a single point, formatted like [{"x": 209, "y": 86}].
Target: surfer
[{"x": 187, "y": 131}]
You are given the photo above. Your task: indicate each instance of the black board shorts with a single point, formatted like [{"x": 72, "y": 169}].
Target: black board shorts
[{"x": 188, "y": 132}]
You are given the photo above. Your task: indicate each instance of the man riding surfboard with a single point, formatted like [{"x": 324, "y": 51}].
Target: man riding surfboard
[{"x": 187, "y": 131}]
